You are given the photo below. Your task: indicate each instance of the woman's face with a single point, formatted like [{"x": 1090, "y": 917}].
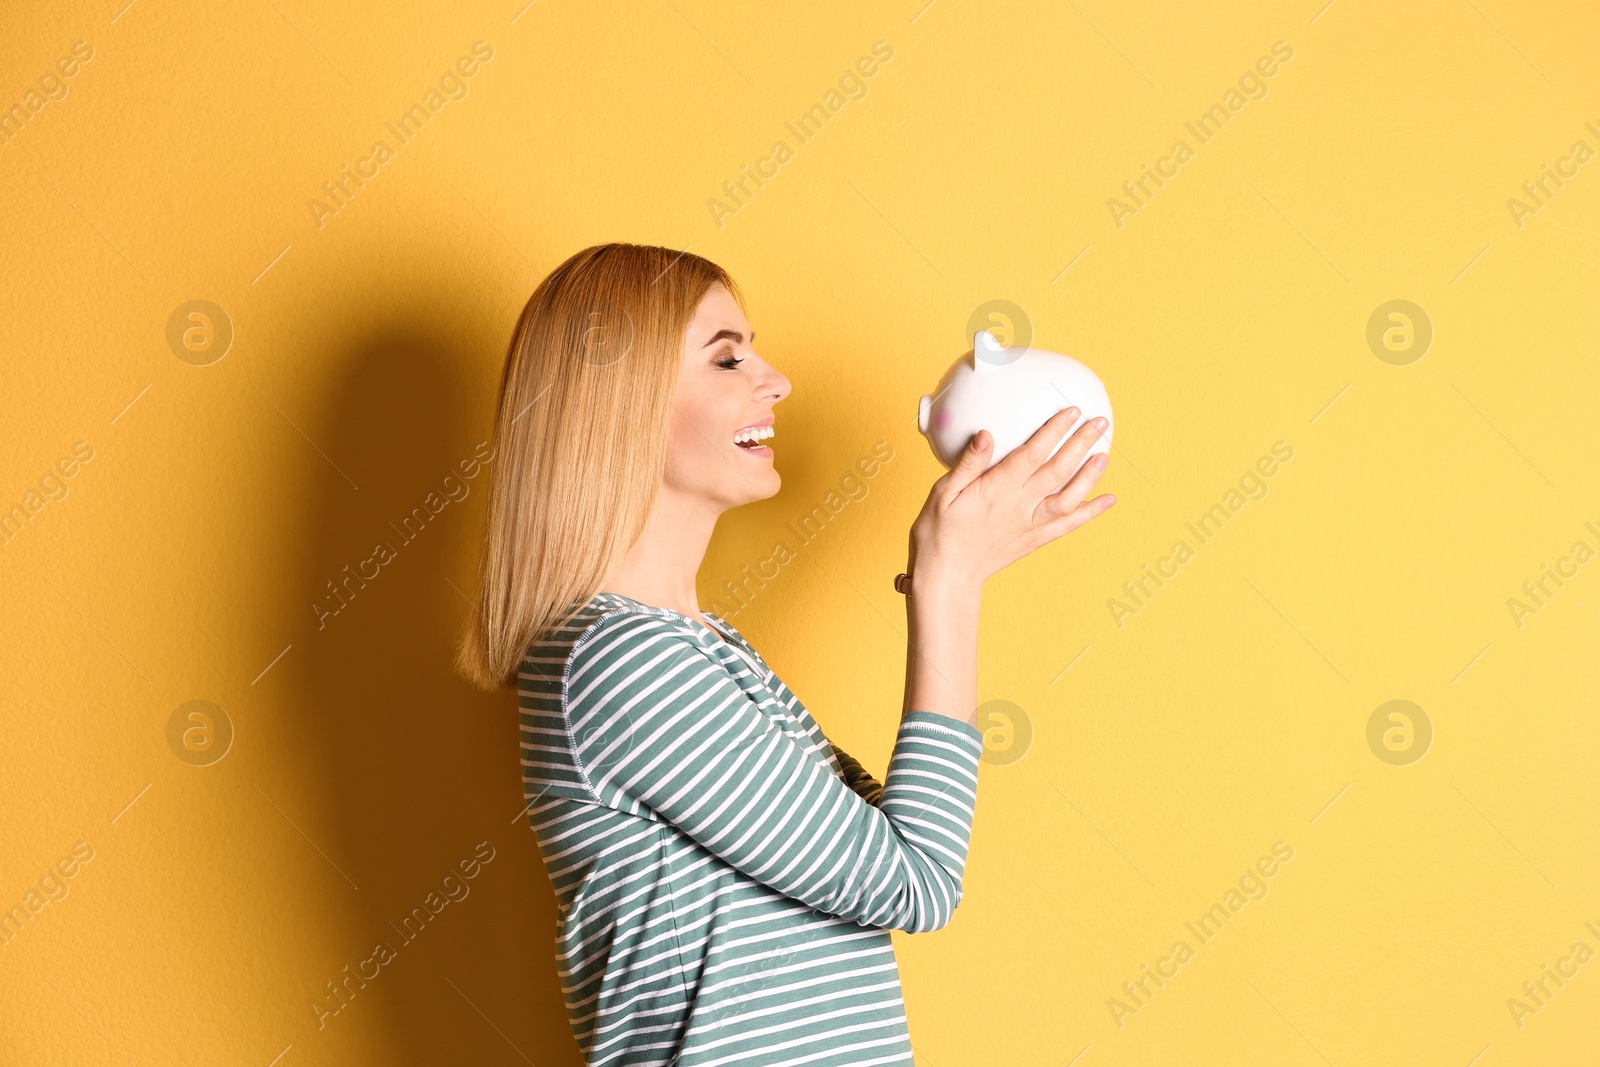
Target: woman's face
[{"x": 725, "y": 392}]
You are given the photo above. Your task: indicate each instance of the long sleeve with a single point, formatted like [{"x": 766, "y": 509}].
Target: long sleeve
[
  {"x": 857, "y": 777},
  {"x": 657, "y": 725}
]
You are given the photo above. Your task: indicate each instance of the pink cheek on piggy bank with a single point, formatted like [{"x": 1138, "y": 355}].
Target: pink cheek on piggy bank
[{"x": 941, "y": 420}]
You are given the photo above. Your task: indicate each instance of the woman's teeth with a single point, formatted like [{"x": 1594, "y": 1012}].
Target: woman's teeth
[{"x": 752, "y": 438}]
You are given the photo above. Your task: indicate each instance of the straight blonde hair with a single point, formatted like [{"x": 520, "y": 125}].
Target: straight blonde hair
[{"x": 580, "y": 440}]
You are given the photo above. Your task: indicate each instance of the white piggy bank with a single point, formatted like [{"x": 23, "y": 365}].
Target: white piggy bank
[{"x": 1010, "y": 392}]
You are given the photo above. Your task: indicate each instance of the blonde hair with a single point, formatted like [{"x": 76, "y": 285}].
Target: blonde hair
[{"x": 579, "y": 440}]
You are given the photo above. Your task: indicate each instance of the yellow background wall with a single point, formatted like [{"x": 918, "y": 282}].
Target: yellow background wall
[{"x": 1164, "y": 755}]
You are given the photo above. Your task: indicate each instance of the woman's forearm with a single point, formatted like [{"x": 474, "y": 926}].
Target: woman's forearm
[
  {"x": 942, "y": 646},
  {"x": 979, "y": 518}
]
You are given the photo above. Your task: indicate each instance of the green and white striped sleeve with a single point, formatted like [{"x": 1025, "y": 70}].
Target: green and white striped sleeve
[
  {"x": 657, "y": 725},
  {"x": 857, "y": 777}
]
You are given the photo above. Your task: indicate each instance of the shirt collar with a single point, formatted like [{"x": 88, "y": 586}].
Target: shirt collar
[{"x": 705, "y": 635}]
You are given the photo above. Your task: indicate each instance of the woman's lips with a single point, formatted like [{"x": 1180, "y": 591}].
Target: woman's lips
[
  {"x": 750, "y": 437},
  {"x": 758, "y": 450}
]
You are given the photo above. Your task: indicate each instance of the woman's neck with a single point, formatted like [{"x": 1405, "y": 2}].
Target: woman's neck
[{"x": 660, "y": 568}]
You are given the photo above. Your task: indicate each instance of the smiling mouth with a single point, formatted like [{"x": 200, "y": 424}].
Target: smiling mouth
[{"x": 750, "y": 440}]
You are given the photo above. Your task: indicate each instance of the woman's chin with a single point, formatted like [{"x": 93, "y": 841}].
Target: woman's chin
[
  {"x": 762, "y": 486},
  {"x": 772, "y": 483},
  {"x": 759, "y": 472}
]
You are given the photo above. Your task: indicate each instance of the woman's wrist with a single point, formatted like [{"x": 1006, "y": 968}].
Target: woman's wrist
[
  {"x": 930, "y": 581},
  {"x": 942, "y": 648}
]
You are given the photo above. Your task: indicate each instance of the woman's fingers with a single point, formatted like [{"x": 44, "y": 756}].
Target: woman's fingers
[
  {"x": 1066, "y": 500},
  {"x": 1082, "y": 513},
  {"x": 1019, "y": 467},
  {"x": 978, "y": 532},
  {"x": 971, "y": 463},
  {"x": 1055, "y": 470}
]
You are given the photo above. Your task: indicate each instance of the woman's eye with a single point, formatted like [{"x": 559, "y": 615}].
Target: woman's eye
[{"x": 729, "y": 362}]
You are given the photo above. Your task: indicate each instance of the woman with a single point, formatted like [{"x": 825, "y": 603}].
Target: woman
[{"x": 727, "y": 878}]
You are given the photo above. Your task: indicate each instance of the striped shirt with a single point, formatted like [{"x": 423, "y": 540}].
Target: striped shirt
[{"x": 726, "y": 877}]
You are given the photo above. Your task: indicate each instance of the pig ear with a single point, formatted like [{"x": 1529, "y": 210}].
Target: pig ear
[{"x": 985, "y": 350}]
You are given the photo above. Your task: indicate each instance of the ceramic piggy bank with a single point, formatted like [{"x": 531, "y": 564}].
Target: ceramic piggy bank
[{"x": 1010, "y": 392}]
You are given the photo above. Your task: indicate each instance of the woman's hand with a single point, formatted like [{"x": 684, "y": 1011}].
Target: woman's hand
[{"x": 977, "y": 522}]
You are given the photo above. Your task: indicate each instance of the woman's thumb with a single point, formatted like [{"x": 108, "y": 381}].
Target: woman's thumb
[{"x": 974, "y": 460}]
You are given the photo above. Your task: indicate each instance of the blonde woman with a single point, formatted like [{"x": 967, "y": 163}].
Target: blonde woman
[{"x": 727, "y": 878}]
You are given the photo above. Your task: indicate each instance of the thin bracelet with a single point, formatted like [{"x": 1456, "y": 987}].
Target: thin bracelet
[{"x": 902, "y": 583}]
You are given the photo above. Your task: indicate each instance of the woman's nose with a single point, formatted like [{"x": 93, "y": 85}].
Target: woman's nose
[{"x": 775, "y": 385}]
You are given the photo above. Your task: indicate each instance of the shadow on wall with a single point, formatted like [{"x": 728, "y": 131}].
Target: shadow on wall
[{"x": 446, "y": 947}]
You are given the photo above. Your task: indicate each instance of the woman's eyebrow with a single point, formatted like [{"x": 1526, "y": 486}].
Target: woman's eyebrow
[{"x": 732, "y": 335}]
